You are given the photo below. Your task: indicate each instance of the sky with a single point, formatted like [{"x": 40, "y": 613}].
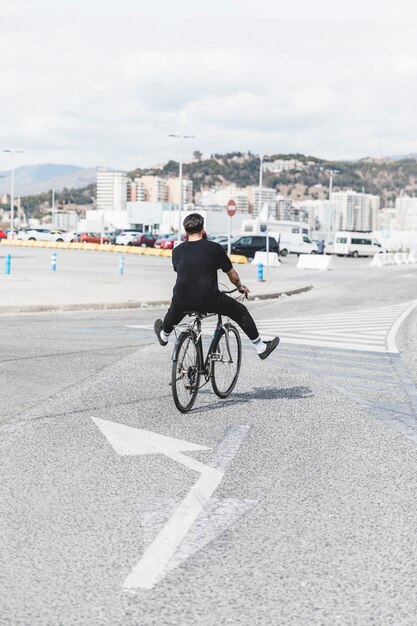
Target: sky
[{"x": 104, "y": 82}]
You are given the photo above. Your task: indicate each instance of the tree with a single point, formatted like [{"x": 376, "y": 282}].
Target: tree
[{"x": 197, "y": 155}]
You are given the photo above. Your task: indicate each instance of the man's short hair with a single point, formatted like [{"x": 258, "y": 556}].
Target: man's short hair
[{"x": 193, "y": 223}]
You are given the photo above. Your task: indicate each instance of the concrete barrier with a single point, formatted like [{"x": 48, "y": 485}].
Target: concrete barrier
[
  {"x": 321, "y": 262},
  {"x": 260, "y": 258},
  {"x": 379, "y": 260}
]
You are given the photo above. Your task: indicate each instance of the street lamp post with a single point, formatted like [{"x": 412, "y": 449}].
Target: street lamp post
[
  {"x": 13, "y": 153},
  {"x": 181, "y": 138},
  {"x": 333, "y": 223}
]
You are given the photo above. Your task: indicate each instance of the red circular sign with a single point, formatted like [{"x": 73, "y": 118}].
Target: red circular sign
[{"x": 231, "y": 208}]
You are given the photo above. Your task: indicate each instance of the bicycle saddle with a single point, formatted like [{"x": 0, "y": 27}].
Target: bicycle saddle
[{"x": 196, "y": 314}]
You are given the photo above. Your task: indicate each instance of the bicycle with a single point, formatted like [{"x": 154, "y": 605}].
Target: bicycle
[{"x": 221, "y": 365}]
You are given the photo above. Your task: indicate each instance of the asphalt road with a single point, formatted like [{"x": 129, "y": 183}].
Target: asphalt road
[{"x": 306, "y": 503}]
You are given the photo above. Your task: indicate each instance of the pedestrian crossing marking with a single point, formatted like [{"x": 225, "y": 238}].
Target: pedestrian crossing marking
[{"x": 361, "y": 330}]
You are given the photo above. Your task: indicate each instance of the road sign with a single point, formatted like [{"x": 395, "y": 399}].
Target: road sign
[{"x": 231, "y": 208}]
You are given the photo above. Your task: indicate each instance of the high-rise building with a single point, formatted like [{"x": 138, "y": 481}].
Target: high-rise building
[
  {"x": 174, "y": 191},
  {"x": 284, "y": 208},
  {"x": 155, "y": 187},
  {"x": 219, "y": 197},
  {"x": 135, "y": 190},
  {"x": 354, "y": 210},
  {"x": 268, "y": 196},
  {"x": 111, "y": 191},
  {"x": 406, "y": 209}
]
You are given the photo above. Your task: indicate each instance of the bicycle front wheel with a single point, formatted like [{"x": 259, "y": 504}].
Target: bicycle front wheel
[
  {"x": 226, "y": 360},
  {"x": 186, "y": 372}
]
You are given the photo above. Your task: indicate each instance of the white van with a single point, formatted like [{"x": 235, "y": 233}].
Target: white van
[
  {"x": 294, "y": 243},
  {"x": 356, "y": 244}
]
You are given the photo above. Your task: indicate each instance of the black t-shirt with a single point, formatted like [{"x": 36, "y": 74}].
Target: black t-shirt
[{"x": 196, "y": 264}]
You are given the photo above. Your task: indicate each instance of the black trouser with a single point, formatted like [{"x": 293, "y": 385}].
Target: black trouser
[{"x": 218, "y": 303}]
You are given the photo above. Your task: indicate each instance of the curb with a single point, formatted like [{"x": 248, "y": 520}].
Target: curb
[
  {"x": 96, "y": 247},
  {"x": 103, "y": 306}
]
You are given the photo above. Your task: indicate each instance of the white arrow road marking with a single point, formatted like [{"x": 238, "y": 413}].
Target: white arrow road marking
[
  {"x": 216, "y": 518},
  {"x": 134, "y": 441}
]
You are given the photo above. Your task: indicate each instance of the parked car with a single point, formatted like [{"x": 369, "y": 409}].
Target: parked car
[
  {"x": 329, "y": 247},
  {"x": 220, "y": 239},
  {"x": 41, "y": 234},
  {"x": 2, "y": 234},
  {"x": 72, "y": 236},
  {"x": 169, "y": 243},
  {"x": 145, "y": 240},
  {"x": 294, "y": 243},
  {"x": 93, "y": 238},
  {"x": 356, "y": 244},
  {"x": 247, "y": 246},
  {"x": 126, "y": 238},
  {"x": 161, "y": 239}
]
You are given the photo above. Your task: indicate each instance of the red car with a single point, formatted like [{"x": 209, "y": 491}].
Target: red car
[
  {"x": 93, "y": 238},
  {"x": 168, "y": 244},
  {"x": 144, "y": 241},
  {"x": 159, "y": 242},
  {"x": 2, "y": 234}
]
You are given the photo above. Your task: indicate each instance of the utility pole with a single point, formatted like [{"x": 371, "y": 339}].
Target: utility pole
[
  {"x": 181, "y": 138},
  {"x": 13, "y": 153},
  {"x": 332, "y": 226}
]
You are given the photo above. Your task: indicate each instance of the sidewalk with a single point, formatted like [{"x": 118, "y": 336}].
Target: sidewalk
[{"x": 91, "y": 280}]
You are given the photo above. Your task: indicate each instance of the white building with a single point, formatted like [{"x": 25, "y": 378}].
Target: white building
[
  {"x": 406, "y": 209},
  {"x": 283, "y": 165},
  {"x": 111, "y": 191},
  {"x": 319, "y": 214},
  {"x": 219, "y": 197},
  {"x": 354, "y": 210},
  {"x": 268, "y": 196},
  {"x": 215, "y": 220}
]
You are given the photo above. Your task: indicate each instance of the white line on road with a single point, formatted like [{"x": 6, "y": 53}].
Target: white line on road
[{"x": 126, "y": 440}]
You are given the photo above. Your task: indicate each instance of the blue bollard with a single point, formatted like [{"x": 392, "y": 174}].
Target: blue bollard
[
  {"x": 7, "y": 263},
  {"x": 260, "y": 272},
  {"x": 53, "y": 261},
  {"x": 122, "y": 265}
]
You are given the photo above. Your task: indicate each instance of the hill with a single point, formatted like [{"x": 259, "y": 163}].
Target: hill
[
  {"x": 308, "y": 178},
  {"x": 296, "y": 176},
  {"x": 36, "y": 179}
]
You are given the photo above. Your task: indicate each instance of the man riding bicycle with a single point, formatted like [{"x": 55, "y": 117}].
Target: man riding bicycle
[{"x": 196, "y": 262}]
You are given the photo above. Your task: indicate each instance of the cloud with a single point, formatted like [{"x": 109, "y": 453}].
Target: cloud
[{"x": 104, "y": 84}]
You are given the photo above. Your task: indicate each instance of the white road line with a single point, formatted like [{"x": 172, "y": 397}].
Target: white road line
[
  {"x": 371, "y": 330},
  {"x": 391, "y": 343},
  {"x": 152, "y": 565},
  {"x": 126, "y": 440}
]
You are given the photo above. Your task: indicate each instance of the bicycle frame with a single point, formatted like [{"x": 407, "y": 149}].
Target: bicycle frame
[{"x": 195, "y": 327}]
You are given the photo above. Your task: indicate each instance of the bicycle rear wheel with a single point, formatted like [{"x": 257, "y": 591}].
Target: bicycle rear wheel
[
  {"x": 186, "y": 372},
  {"x": 226, "y": 361}
]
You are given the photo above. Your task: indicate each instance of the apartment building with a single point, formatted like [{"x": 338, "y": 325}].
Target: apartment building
[
  {"x": 155, "y": 188},
  {"x": 135, "y": 191},
  {"x": 268, "y": 196},
  {"x": 219, "y": 197},
  {"x": 111, "y": 191},
  {"x": 173, "y": 185},
  {"x": 406, "y": 213},
  {"x": 354, "y": 210}
]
